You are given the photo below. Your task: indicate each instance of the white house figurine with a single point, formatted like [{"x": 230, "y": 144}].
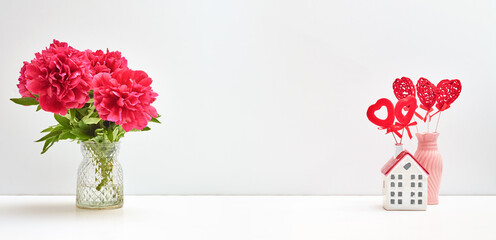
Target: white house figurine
[{"x": 405, "y": 183}]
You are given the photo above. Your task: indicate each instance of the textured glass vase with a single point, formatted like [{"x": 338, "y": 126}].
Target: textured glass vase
[
  {"x": 429, "y": 156},
  {"x": 99, "y": 181}
]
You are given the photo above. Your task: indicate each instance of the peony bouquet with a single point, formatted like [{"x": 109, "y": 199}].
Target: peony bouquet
[{"x": 94, "y": 95}]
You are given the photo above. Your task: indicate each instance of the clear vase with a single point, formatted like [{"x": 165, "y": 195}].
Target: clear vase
[
  {"x": 99, "y": 180},
  {"x": 429, "y": 156}
]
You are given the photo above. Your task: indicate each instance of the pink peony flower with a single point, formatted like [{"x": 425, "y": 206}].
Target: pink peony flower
[
  {"x": 60, "y": 77},
  {"x": 105, "y": 62},
  {"x": 124, "y": 97},
  {"x": 22, "y": 82}
]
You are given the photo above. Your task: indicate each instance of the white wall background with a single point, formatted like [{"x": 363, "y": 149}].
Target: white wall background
[{"x": 260, "y": 97}]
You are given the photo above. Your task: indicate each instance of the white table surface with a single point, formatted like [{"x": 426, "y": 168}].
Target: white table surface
[{"x": 246, "y": 217}]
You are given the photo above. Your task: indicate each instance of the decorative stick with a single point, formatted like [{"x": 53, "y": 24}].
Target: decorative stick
[
  {"x": 438, "y": 117},
  {"x": 416, "y": 125},
  {"x": 428, "y": 123},
  {"x": 402, "y": 134},
  {"x": 392, "y": 133}
]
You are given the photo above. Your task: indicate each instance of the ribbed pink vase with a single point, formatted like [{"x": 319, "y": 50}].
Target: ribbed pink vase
[{"x": 429, "y": 156}]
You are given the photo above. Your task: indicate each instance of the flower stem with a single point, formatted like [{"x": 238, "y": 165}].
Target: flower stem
[{"x": 104, "y": 165}]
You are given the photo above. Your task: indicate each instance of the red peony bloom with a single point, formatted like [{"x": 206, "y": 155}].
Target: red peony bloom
[
  {"x": 105, "y": 62},
  {"x": 22, "y": 82},
  {"x": 124, "y": 98},
  {"x": 60, "y": 77}
]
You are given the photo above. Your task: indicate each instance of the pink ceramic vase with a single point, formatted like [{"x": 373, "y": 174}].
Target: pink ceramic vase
[{"x": 429, "y": 156}]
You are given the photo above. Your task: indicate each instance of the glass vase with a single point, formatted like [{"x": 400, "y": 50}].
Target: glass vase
[
  {"x": 99, "y": 180},
  {"x": 429, "y": 156}
]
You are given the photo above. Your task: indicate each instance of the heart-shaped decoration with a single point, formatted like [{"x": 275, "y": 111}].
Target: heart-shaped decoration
[
  {"x": 448, "y": 93},
  {"x": 427, "y": 93},
  {"x": 383, "y": 102},
  {"x": 403, "y": 87},
  {"x": 410, "y": 104}
]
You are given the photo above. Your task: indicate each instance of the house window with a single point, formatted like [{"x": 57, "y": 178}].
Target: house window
[
  {"x": 392, "y": 176},
  {"x": 400, "y": 176},
  {"x": 400, "y": 194},
  {"x": 392, "y": 194},
  {"x": 420, "y": 184},
  {"x": 420, "y": 194},
  {"x": 412, "y": 184},
  {"x": 400, "y": 201},
  {"x": 392, "y": 201},
  {"x": 420, "y": 177},
  {"x": 412, "y": 202},
  {"x": 420, "y": 201},
  {"x": 400, "y": 184},
  {"x": 412, "y": 194},
  {"x": 407, "y": 166},
  {"x": 392, "y": 184},
  {"x": 413, "y": 176}
]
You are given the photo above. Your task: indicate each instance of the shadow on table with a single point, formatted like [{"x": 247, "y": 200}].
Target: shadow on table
[{"x": 47, "y": 210}]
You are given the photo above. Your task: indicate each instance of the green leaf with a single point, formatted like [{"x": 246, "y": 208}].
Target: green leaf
[
  {"x": 73, "y": 113},
  {"x": 67, "y": 135},
  {"x": 48, "y": 143},
  {"x": 53, "y": 128},
  {"x": 115, "y": 133},
  {"x": 155, "y": 120},
  {"x": 38, "y": 108},
  {"x": 146, "y": 129},
  {"x": 91, "y": 120},
  {"x": 63, "y": 120},
  {"x": 26, "y": 101},
  {"x": 82, "y": 111},
  {"x": 99, "y": 131},
  {"x": 142, "y": 130},
  {"x": 83, "y": 126},
  {"x": 91, "y": 109},
  {"x": 80, "y": 134},
  {"x": 50, "y": 135},
  {"x": 120, "y": 135},
  {"x": 110, "y": 135},
  {"x": 48, "y": 129},
  {"x": 90, "y": 113}
]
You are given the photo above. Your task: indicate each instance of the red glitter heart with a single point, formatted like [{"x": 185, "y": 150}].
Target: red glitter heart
[
  {"x": 448, "y": 93},
  {"x": 385, "y": 123},
  {"x": 403, "y": 87},
  {"x": 427, "y": 93}
]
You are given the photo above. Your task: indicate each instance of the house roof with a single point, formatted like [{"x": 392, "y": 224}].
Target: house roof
[{"x": 394, "y": 161}]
